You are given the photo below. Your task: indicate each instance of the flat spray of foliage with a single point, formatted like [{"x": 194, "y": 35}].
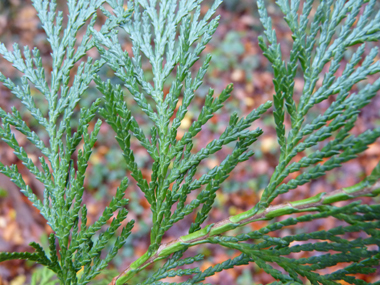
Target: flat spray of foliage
[{"x": 171, "y": 35}]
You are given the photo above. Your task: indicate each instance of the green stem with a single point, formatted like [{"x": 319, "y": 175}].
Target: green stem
[{"x": 363, "y": 188}]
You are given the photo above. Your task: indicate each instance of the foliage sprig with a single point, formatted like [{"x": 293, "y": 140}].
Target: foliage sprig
[{"x": 170, "y": 36}]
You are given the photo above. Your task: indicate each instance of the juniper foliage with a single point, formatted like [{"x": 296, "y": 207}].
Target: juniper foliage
[{"x": 170, "y": 35}]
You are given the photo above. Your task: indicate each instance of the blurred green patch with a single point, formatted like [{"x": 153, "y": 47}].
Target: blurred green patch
[
  {"x": 44, "y": 276},
  {"x": 3, "y": 193},
  {"x": 227, "y": 52}
]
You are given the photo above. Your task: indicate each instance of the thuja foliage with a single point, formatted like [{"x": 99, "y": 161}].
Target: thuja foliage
[{"x": 171, "y": 35}]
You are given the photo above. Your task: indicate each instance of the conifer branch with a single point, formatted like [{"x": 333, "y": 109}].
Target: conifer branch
[
  {"x": 202, "y": 236},
  {"x": 170, "y": 36}
]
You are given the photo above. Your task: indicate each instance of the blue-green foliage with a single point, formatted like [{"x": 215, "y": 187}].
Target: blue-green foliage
[
  {"x": 170, "y": 35},
  {"x": 314, "y": 53},
  {"x": 72, "y": 246},
  {"x": 180, "y": 53},
  {"x": 318, "y": 41}
]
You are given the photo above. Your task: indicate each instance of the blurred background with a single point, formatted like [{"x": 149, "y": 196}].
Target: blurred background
[{"x": 236, "y": 58}]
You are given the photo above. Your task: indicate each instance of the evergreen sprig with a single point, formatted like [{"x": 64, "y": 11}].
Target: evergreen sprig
[
  {"x": 316, "y": 43},
  {"x": 73, "y": 245},
  {"x": 180, "y": 54},
  {"x": 170, "y": 36}
]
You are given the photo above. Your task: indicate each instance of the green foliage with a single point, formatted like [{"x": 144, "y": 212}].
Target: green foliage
[
  {"x": 268, "y": 249},
  {"x": 170, "y": 35},
  {"x": 164, "y": 147},
  {"x": 73, "y": 245},
  {"x": 43, "y": 276}
]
